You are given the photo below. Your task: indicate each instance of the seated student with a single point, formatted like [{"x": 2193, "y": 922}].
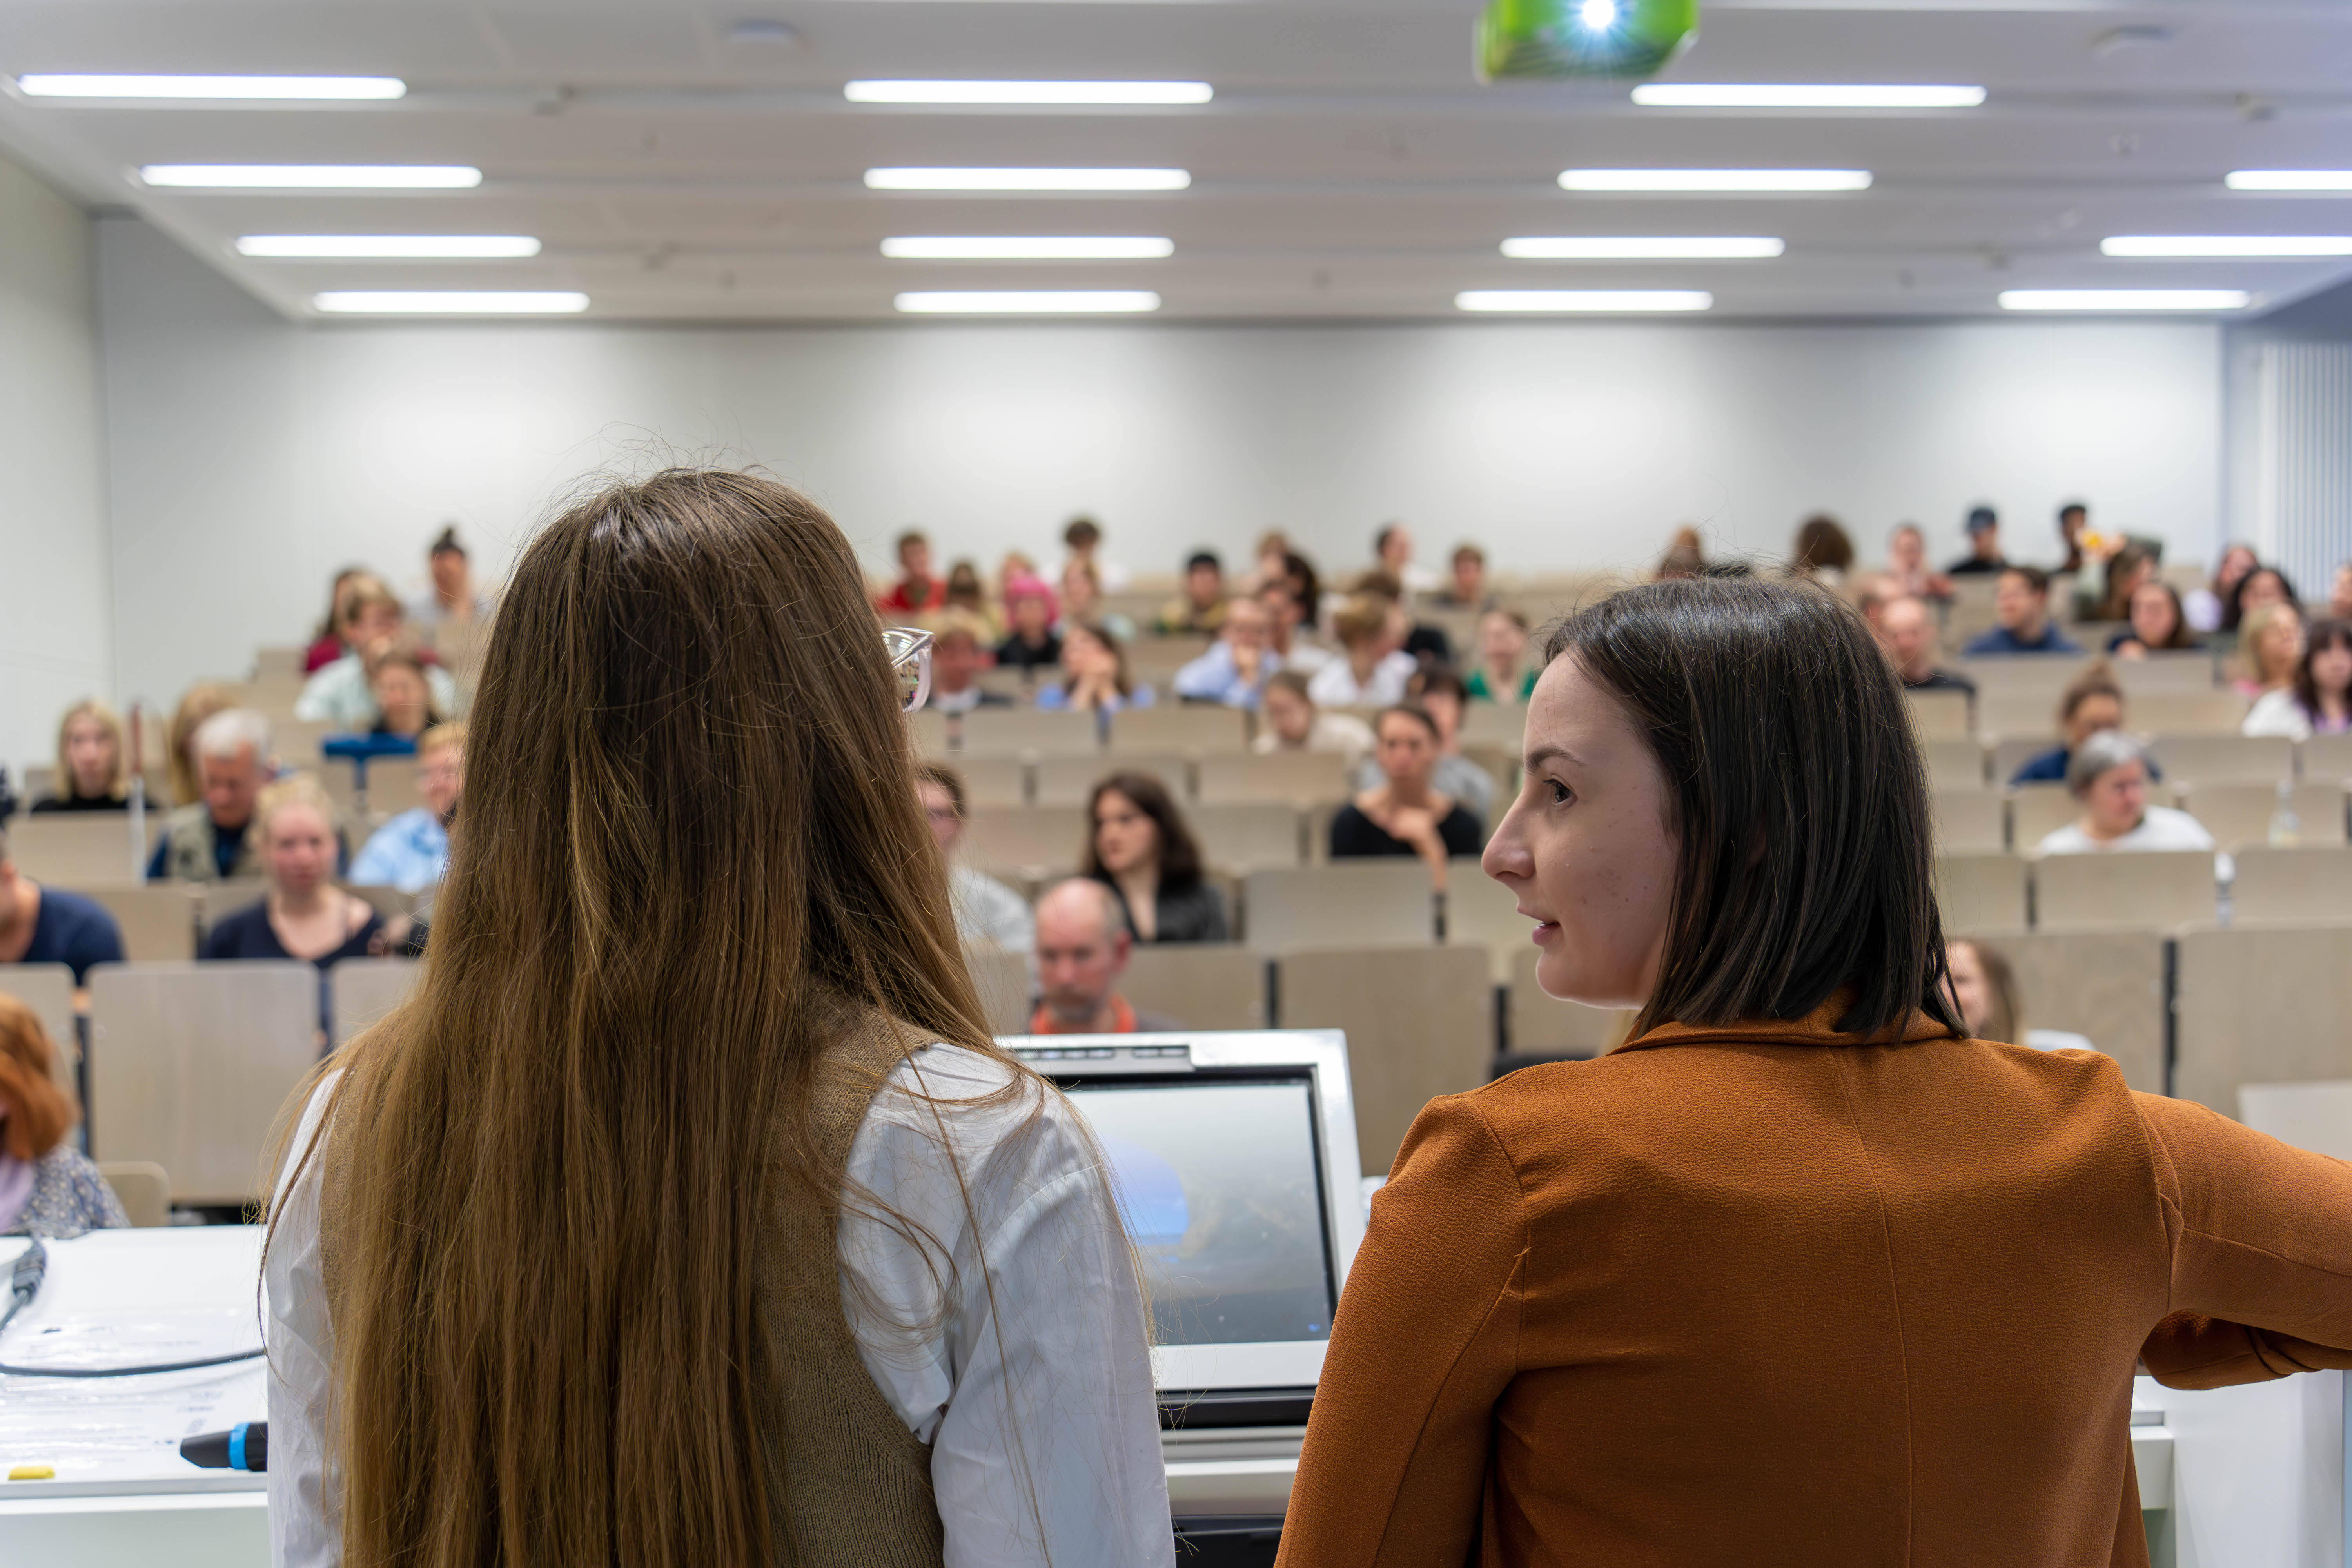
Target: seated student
[
  {"x": 1082, "y": 604},
  {"x": 1822, "y": 552},
  {"x": 987, "y": 912},
  {"x": 1096, "y": 677},
  {"x": 1289, "y": 721},
  {"x": 1465, "y": 587},
  {"x": 2208, "y": 607},
  {"x": 2261, "y": 587},
  {"x": 207, "y": 842},
  {"x": 1392, "y": 550},
  {"x": 1425, "y": 640},
  {"x": 2108, "y": 773},
  {"x": 404, "y": 707},
  {"x": 1906, "y": 562},
  {"x": 1407, "y": 815},
  {"x": 304, "y": 915},
  {"x": 451, "y": 601},
  {"x": 2104, "y": 590},
  {"x": 1500, "y": 674},
  {"x": 198, "y": 703},
  {"x": 46, "y": 1188},
  {"x": 2022, "y": 605},
  {"x": 968, "y": 595},
  {"x": 1082, "y": 538},
  {"x": 1908, "y": 632},
  {"x": 48, "y": 925},
  {"x": 2270, "y": 645},
  {"x": 1374, "y": 666},
  {"x": 956, "y": 663},
  {"x": 1141, "y": 850},
  {"x": 1984, "y": 546},
  {"x": 1441, "y": 693},
  {"x": 338, "y": 694},
  {"x": 917, "y": 592},
  {"x": 1290, "y": 612},
  {"x": 2318, "y": 699},
  {"x": 1201, "y": 606},
  {"x": 2090, "y": 703},
  {"x": 1984, "y": 987},
  {"x": 1031, "y": 645},
  {"x": 328, "y": 645},
  {"x": 93, "y": 764},
  {"x": 1234, "y": 670},
  {"x": 411, "y": 851},
  {"x": 1083, "y": 945},
  {"x": 2157, "y": 624}
]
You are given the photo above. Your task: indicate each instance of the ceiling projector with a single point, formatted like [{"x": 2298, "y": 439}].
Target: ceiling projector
[{"x": 1553, "y": 38}]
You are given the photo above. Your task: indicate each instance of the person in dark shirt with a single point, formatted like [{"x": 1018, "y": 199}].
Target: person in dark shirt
[
  {"x": 1407, "y": 816},
  {"x": 305, "y": 916},
  {"x": 1032, "y": 645},
  {"x": 2023, "y": 604},
  {"x": 2093, "y": 703},
  {"x": 43, "y": 925},
  {"x": 1140, "y": 847},
  {"x": 1984, "y": 546},
  {"x": 1908, "y": 632}
]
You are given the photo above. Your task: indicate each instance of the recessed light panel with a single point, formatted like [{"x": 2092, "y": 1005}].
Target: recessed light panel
[
  {"x": 450, "y": 302},
  {"x": 254, "y": 88},
  {"x": 1583, "y": 300},
  {"x": 1715, "y": 179},
  {"x": 1046, "y": 92},
  {"x": 388, "y": 247},
  {"x": 1027, "y": 179},
  {"x": 2228, "y": 245},
  {"x": 1029, "y": 303},
  {"x": 312, "y": 176},
  {"x": 1027, "y": 247},
  {"x": 1662, "y": 247},
  {"x": 1781, "y": 95},
  {"x": 2124, "y": 298},
  {"x": 2289, "y": 179}
]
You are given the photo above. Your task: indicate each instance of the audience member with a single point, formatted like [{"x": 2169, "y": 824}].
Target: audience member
[
  {"x": 956, "y": 663},
  {"x": 1871, "y": 590},
  {"x": 2073, "y": 519},
  {"x": 1392, "y": 550},
  {"x": 404, "y": 697},
  {"x": 1499, "y": 674},
  {"x": 968, "y": 595},
  {"x": 1984, "y": 546},
  {"x": 1095, "y": 676},
  {"x": 1425, "y": 641},
  {"x": 2318, "y": 699},
  {"x": 1201, "y": 606},
  {"x": 328, "y": 645},
  {"x": 1141, "y": 848},
  {"x": 1442, "y": 694},
  {"x": 2157, "y": 624},
  {"x": 1082, "y": 946},
  {"x": 2269, "y": 643},
  {"x": 1906, "y": 630},
  {"x": 2022, "y": 605},
  {"x": 1407, "y": 815},
  {"x": 1823, "y": 553},
  {"x": 198, "y": 703},
  {"x": 451, "y": 601},
  {"x": 1289, "y": 620},
  {"x": 338, "y": 694},
  {"x": 93, "y": 763},
  {"x": 1031, "y": 644},
  {"x": 44, "y": 925},
  {"x": 1374, "y": 666},
  {"x": 2207, "y": 607},
  {"x": 2109, "y": 774},
  {"x": 988, "y": 914},
  {"x": 1467, "y": 588},
  {"x": 208, "y": 842},
  {"x": 917, "y": 592},
  {"x": 1906, "y": 562},
  {"x": 1307, "y": 587},
  {"x": 1985, "y": 989},
  {"x": 1084, "y": 539},
  {"x": 47, "y": 1188},
  {"x": 411, "y": 851},
  {"x": 2339, "y": 596},
  {"x": 2090, "y": 705},
  {"x": 1685, "y": 557},
  {"x": 1238, "y": 664},
  {"x": 1270, "y": 556},
  {"x": 1082, "y": 604},
  {"x": 304, "y": 915},
  {"x": 2258, "y": 589},
  {"x": 1289, "y": 721},
  {"x": 2104, "y": 588}
]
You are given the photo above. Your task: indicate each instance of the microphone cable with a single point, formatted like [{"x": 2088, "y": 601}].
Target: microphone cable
[{"x": 25, "y": 1283}]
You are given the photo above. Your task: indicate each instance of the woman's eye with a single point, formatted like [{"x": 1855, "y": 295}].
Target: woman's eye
[{"x": 1560, "y": 793}]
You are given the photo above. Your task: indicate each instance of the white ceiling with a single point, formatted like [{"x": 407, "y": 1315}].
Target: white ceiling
[{"x": 1349, "y": 167}]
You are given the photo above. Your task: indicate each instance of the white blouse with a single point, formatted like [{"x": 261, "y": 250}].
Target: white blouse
[
  {"x": 1057, "y": 1387},
  {"x": 1334, "y": 684}
]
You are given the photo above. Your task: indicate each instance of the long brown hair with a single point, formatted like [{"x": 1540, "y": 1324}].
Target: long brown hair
[{"x": 692, "y": 831}]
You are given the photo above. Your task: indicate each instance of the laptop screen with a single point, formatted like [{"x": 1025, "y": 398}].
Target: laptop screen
[{"x": 1218, "y": 1181}]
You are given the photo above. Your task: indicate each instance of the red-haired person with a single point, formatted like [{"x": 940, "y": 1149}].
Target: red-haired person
[{"x": 46, "y": 1188}]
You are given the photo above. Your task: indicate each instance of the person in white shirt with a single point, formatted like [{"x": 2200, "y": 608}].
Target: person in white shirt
[
  {"x": 2318, "y": 699},
  {"x": 1373, "y": 668},
  {"x": 2108, "y": 773},
  {"x": 987, "y": 912},
  {"x": 1289, "y": 721},
  {"x": 686, "y": 1211}
]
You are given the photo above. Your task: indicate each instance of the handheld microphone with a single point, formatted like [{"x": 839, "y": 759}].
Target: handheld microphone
[
  {"x": 25, "y": 1279},
  {"x": 244, "y": 1446}
]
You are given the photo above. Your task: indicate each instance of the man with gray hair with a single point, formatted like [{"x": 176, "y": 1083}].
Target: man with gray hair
[
  {"x": 206, "y": 842},
  {"x": 1082, "y": 950}
]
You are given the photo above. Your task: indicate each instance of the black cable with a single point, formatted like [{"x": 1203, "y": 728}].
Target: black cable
[{"x": 25, "y": 1283}]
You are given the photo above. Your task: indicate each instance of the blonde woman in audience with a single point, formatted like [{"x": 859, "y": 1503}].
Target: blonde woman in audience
[
  {"x": 2316, "y": 701},
  {"x": 46, "y": 1187},
  {"x": 304, "y": 915},
  {"x": 1095, "y": 679},
  {"x": 328, "y": 645},
  {"x": 2108, "y": 772},
  {"x": 987, "y": 912},
  {"x": 198, "y": 703},
  {"x": 1372, "y": 668},
  {"x": 1288, "y": 721},
  {"x": 686, "y": 1213},
  {"x": 1500, "y": 674},
  {"x": 2270, "y": 642},
  {"x": 93, "y": 763}
]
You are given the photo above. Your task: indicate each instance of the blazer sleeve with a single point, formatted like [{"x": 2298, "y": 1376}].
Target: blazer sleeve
[
  {"x": 1425, "y": 1343},
  {"x": 2261, "y": 1252}
]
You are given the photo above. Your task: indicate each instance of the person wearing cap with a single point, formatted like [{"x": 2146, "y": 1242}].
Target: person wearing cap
[{"x": 1984, "y": 545}]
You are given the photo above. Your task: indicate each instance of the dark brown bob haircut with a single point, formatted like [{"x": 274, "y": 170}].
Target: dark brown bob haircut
[
  {"x": 1180, "y": 853},
  {"x": 1796, "y": 789}
]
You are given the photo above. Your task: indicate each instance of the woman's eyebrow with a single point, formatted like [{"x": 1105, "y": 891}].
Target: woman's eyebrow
[{"x": 1545, "y": 754}]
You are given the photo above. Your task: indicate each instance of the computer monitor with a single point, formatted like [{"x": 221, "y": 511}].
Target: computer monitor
[{"x": 1235, "y": 1160}]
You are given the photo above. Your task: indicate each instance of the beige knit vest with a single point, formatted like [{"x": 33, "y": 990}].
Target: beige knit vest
[{"x": 848, "y": 1486}]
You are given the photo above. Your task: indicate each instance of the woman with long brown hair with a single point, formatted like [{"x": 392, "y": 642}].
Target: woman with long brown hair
[{"x": 686, "y": 1213}]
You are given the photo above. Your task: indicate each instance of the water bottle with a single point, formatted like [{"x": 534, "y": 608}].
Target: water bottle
[{"x": 2286, "y": 826}]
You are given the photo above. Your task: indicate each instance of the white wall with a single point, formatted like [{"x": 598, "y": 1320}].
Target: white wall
[
  {"x": 251, "y": 456},
  {"x": 56, "y": 616}
]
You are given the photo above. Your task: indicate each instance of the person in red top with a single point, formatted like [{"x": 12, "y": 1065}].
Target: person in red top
[
  {"x": 1082, "y": 950},
  {"x": 917, "y": 592}
]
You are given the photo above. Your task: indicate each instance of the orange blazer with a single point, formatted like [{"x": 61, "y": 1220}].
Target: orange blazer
[{"x": 1772, "y": 1295}]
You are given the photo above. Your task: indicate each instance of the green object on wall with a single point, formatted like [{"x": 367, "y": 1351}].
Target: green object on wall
[{"x": 1542, "y": 39}]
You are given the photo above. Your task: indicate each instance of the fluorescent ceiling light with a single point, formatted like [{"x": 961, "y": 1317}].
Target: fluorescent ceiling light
[
  {"x": 451, "y": 302},
  {"x": 1027, "y": 179},
  {"x": 1029, "y": 303},
  {"x": 285, "y": 88},
  {"x": 1584, "y": 300},
  {"x": 312, "y": 176},
  {"x": 1778, "y": 94},
  {"x": 2124, "y": 298},
  {"x": 1028, "y": 92},
  {"x": 389, "y": 247},
  {"x": 2250, "y": 245},
  {"x": 1019, "y": 248},
  {"x": 2288, "y": 179},
  {"x": 1669, "y": 247},
  {"x": 1715, "y": 179}
]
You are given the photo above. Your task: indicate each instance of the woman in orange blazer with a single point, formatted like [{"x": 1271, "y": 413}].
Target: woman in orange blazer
[{"x": 1799, "y": 1275}]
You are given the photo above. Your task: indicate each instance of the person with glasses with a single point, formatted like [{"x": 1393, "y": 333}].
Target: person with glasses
[{"x": 988, "y": 913}]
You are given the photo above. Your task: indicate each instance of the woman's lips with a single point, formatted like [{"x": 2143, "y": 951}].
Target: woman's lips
[{"x": 1545, "y": 930}]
